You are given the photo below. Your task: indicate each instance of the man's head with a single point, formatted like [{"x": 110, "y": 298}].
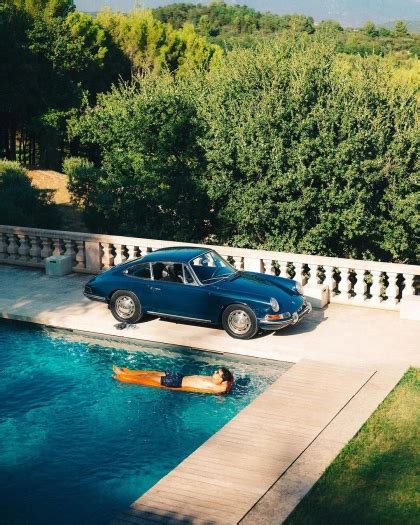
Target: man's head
[{"x": 221, "y": 375}]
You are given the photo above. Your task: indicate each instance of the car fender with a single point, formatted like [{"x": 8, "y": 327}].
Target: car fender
[{"x": 259, "y": 306}]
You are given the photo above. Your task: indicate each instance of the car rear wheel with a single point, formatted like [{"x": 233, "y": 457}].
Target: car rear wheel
[
  {"x": 239, "y": 321},
  {"x": 125, "y": 306}
]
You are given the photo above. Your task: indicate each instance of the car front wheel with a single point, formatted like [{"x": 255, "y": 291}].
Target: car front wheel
[
  {"x": 125, "y": 306},
  {"x": 239, "y": 321}
]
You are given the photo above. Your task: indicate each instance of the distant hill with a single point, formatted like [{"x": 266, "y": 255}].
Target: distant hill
[{"x": 350, "y": 13}]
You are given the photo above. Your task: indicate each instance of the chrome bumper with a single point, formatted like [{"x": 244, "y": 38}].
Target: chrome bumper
[{"x": 294, "y": 319}]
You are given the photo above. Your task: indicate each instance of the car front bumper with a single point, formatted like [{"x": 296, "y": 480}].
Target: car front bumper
[{"x": 293, "y": 319}]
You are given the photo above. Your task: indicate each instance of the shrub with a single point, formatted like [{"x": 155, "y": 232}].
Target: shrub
[{"x": 21, "y": 203}]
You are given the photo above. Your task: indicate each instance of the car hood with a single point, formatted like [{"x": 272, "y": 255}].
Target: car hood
[{"x": 258, "y": 283}]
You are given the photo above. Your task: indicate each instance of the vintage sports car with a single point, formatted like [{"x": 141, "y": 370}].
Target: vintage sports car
[{"x": 197, "y": 284}]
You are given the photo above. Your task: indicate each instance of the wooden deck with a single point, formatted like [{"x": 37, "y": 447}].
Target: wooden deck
[{"x": 223, "y": 479}]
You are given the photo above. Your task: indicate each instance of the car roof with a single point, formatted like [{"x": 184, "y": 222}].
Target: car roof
[{"x": 180, "y": 254}]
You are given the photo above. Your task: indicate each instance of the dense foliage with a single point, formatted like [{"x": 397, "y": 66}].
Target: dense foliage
[
  {"x": 219, "y": 123},
  {"x": 286, "y": 146},
  {"x": 21, "y": 203},
  {"x": 52, "y": 56}
]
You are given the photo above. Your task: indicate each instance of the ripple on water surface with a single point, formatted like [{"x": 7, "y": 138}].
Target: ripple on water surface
[{"x": 77, "y": 446}]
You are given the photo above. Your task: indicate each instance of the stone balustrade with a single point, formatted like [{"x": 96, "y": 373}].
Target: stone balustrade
[{"x": 353, "y": 282}]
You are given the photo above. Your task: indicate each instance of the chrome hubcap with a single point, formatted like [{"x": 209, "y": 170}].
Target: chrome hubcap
[
  {"x": 124, "y": 306},
  {"x": 239, "y": 322}
]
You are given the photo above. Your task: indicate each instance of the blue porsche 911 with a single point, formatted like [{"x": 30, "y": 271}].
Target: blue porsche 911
[{"x": 197, "y": 284}]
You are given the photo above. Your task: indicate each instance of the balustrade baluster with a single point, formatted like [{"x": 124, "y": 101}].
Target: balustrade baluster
[
  {"x": 46, "y": 247},
  {"x": 35, "y": 250},
  {"x": 108, "y": 256},
  {"x": 3, "y": 247},
  {"x": 13, "y": 248},
  {"x": 118, "y": 259},
  {"x": 143, "y": 251},
  {"x": 360, "y": 287},
  {"x": 58, "y": 247},
  {"x": 375, "y": 289},
  {"x": 408, "y": 285},
  {"x": 345, "y": 284},
  {"x": 330, "y": 281},
  {"x": 299, "y": 273},
  {"x": 69, "y": 250},
  {"x": 23, "y": 249},
  {"x": 80, "y": 255},
  {"x": 284, "y": 270},
  {"x": 392, "y": 290},
  {"x": 313, "y": 275}
]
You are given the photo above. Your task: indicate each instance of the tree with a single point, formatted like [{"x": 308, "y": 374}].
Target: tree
[
  {"x": 370, "y": 29},
  {"x": 150, "y": 179},
  {"x": 400, "y": 28},
  {"x": 300, "y": 146}
]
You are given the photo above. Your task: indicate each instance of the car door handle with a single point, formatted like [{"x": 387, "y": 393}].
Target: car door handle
[{"x": 154, "y": 289}]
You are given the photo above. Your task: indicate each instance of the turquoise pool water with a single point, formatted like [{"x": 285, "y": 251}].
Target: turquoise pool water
[{"x": 77, "y": 447}]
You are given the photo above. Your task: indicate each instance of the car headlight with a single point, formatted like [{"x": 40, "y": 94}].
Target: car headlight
[
  {"x": 274, "y": 304},
  {"x": 298, "y": 288}
]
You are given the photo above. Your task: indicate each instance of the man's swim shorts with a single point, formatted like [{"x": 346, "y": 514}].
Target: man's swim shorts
[{"x": 172, "y": 379}]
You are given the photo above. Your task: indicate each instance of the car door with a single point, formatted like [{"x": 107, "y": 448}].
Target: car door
[
  {"x": 176, "y": 293},
  {"x": 194, "y": 300}
]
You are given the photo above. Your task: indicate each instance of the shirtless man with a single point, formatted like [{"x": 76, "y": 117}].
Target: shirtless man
[{"x": 219, "y": 383}]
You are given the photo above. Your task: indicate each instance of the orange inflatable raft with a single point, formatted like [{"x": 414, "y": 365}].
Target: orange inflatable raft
[{"x": 138, "y": 377}]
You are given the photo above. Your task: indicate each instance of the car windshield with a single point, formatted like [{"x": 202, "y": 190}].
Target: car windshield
[{"x": 210, "y": 267}]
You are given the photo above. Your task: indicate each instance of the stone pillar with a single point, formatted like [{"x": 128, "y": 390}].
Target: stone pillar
[
  {"x": 408, "y": 285},
  {"x": 58, "y": 247},
  {"x": 69, "y": 250},
  {"x": 345, "y": 284},
  {"x": 35, "y": 250},
  {"x": 375, "y": 289},
  {"x": 299, "y": 269},
  {"x": 93, "y": 254},
  {"x": 80, "y": 255},
  {"x": 330, "y": 281},
  {"x": 3, "y": 247},
  {"x": 119, "y": 254},
  {"x": 360, "y": 287},
  {"x": 313, "y": 275},
  {"x": 283, "y": 269},
  {"x": 392, "y": 291},
  {"x": 46, "y": 247},
  {"x": 108, "y": 256},
  {"x": 12, "y": 249}
]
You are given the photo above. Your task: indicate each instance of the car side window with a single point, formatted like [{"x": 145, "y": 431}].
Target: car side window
[
  {"x": 189, "y": 279},
  {"x": 170, "y": 272},
  {"x": 140, "y": 270}
]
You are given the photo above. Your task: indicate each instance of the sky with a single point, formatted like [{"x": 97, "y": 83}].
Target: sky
[{"x": 347, "y": 12}]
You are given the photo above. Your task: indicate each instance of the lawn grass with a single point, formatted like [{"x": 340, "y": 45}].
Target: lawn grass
[{"x": 376, "y": 477}]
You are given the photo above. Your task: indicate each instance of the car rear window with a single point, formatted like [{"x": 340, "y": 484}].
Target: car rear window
[{"x": 140, "y": 270}]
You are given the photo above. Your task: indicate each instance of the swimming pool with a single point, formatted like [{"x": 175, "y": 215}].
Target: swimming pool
[{"x": 78, "y": 447}]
